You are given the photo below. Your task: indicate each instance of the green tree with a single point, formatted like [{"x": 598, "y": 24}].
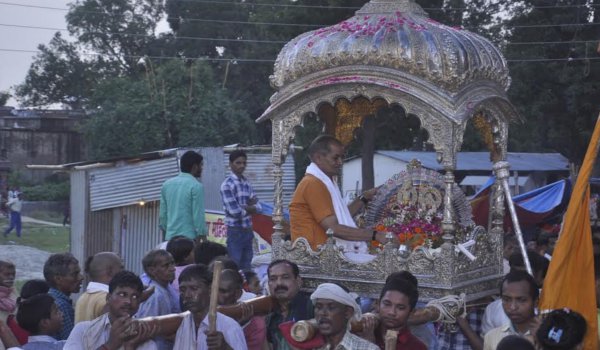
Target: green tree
[
  {"x": 172, "y": 105},
  {"x": 58, "y": 74},
  {"x": 558, "y": 95},
  {"x": 111, "y": 37}
]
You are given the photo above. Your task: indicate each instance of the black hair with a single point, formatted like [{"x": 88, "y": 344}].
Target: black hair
[
  {"x": 125, "y": 279},
  {"x": 510, "y": 239},
  {"x": 198, "y": 272},
  {"x": 403, "y": 275},
  {"x": 228, "y": 263},
  {"x": 149, "y": 259},
  {"x": 6, "y": 263},
  {"x": 514, "y": 342},
  {"x": 321, "y": 144},
  {"x": 206, "y": 251},
  {"x": 33, "y": 310},
  {"x": 31, "y": 288},
  {"x": 58, "y": 265},
  {"x": 295, "y": 269},
  {"x": 236, "y": 154},
  {"x": 249, "y": 274},
  {"x": 188, "y": 160},
  {"x": 180, "y": 248},
  {"x": 403, "y": 286},
  {"x": 520, "y": 276},
  {"x": 538, "y": 263},
  {"x": 561, "y": 330},
  {"x": 234, "y": 276},
  {"x": 542, "y": 240}
]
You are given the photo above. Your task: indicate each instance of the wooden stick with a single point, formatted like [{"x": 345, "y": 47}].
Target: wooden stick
[{"x": 214, "y": 294}]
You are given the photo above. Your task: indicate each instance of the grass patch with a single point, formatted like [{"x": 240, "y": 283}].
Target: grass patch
[
  {"x": 51, "y": 216},
  {"x": 48, "y": 238}
]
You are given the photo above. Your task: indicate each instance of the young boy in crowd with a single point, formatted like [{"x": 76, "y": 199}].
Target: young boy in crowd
[
  {"x": 8, "y": 296},
  {"x": 397, "y": 301},
  {"x": 160, "y": 268},
  {"x": 182, "y": 250},
  {"x": 519, "y": 293},
  {"x": 63, "y": 274},
  {"x": 40, "y": 316}
]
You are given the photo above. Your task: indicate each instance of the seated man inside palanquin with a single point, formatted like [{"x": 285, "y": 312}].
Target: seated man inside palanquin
[{"x": 317, "y": 204}]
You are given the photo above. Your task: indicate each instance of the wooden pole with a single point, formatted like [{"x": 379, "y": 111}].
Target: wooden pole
[{"x": 214, "y": 294}]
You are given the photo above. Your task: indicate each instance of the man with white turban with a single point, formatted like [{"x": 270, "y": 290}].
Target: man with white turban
[{"x": 334, "y": 309}]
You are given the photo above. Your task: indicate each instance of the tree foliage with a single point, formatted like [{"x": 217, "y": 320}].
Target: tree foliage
[
  {"x": 58, "y": 74},
  {"x": 172, "y": 105},
  {"x": 558, "y": 99},
  {"x": 137, "y": 109}
]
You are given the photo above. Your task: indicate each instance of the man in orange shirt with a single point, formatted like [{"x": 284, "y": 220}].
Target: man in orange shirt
[{"x": 317, "y": 204}]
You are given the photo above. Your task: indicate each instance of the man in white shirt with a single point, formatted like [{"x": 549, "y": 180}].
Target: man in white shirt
[
  {"x": 194, "y": 288},
  {"x": 14, "y": 204},
  {"x": 116, "y": 329}
]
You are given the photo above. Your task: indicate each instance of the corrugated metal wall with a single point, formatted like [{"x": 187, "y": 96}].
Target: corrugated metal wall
[
  {"x": 259, "y": 171},
  {"x": 139, "y": 233},
  {"x": 129, "y": 184},
  {"x": 100, "y": 225},
  {"x": 108, "y": 217}
]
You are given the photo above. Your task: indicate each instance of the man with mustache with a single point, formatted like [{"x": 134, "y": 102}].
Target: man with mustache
[
  {"x": 292, "y": 304},
  {"x": 317, "y": 204},
  {"x": 334, "y": 309},
  {"x": 194, "y": 288},
  {"x": 110, "y": 331}
]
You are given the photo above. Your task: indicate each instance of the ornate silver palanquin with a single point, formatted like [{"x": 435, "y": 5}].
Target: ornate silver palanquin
[{"x": 390, "y": 53}]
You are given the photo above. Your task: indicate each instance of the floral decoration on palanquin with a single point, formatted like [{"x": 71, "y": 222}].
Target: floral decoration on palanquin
[{"x": 414, "y": 226}]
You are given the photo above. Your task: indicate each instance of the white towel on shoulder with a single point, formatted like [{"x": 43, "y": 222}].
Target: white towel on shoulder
[{"x": 341, "y": 211}]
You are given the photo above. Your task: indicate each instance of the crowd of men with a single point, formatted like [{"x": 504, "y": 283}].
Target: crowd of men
[
  {"x": 114, "y": 309},
  {"x": 168, "y": 306}
]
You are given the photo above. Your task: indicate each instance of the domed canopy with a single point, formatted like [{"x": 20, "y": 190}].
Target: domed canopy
[
  {"x": 395, "y": 34},
  {"x": 389, "y": 53}
]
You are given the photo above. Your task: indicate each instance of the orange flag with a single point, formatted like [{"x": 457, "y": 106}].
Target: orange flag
[{"x": 570, "y": 280}]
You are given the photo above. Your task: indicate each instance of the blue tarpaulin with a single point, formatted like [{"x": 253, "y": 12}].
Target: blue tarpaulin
[{"x": 532, "y": 207}]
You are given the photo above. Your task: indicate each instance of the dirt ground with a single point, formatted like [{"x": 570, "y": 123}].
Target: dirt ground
[{"x": 28, "y": 261}]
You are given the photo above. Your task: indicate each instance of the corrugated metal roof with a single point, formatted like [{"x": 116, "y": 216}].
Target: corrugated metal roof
[
  {"x": 481, "y": 160},
  {"x": 127, "y": 185},
  {"x": 475, "y": 180}
]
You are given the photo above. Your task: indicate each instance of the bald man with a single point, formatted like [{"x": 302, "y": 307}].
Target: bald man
[{"x": 100, "y": 268}]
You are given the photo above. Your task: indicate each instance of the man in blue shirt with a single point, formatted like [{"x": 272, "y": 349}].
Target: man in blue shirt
[
  {"x": 239, "y": 202},
  {"x": 182, "y": 201},
  {"x": 63, "y": 274}
]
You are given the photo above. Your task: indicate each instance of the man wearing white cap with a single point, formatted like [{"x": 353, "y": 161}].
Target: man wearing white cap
[{"x": 334, "y": 309}]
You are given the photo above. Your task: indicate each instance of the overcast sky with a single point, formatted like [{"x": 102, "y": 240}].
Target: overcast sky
[{"x": 14, "y": 65}]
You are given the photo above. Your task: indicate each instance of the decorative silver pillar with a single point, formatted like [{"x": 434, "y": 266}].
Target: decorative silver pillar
[
  {"x": 501, "y": 169},
  {"x": 278, "y": 234},
  {"x": 448, "y": 225}
]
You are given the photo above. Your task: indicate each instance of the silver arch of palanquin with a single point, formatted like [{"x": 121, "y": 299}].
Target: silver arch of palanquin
[{"x": 444, "y": 76}]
